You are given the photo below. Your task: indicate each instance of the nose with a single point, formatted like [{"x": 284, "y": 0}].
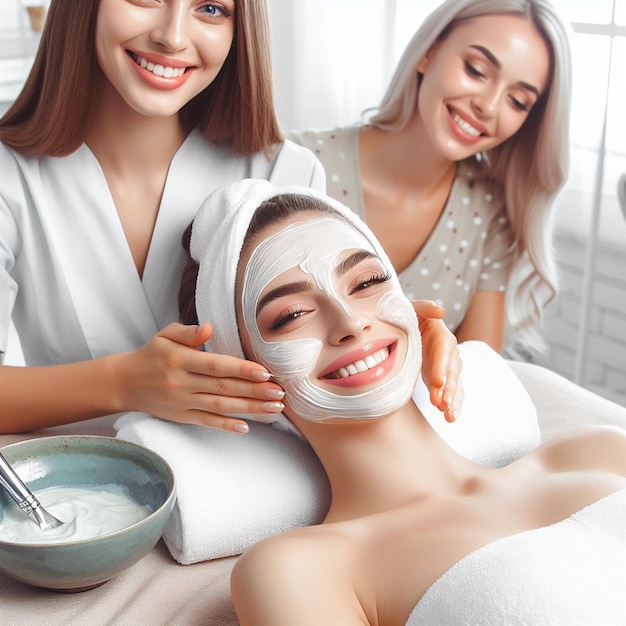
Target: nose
[
  {"x": 170, "y": 31},
  {"x": 485, "y": 103},
  {"x": 347, "y": 323}
]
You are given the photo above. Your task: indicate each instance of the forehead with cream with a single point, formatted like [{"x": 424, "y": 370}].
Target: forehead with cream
[{"x": 316, "y": 246}]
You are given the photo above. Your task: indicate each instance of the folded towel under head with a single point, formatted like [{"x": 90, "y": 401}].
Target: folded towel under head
[{"x": 234, "y": 490}]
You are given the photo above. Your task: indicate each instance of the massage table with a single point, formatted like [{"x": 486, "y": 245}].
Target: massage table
[{"x": 158, "y": 590}]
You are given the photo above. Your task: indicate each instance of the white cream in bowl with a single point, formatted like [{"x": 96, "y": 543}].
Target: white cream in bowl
[{"x": 88, "y": 513}]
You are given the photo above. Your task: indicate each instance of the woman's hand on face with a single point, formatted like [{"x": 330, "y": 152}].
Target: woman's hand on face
[
  {"x": 170, "y": 378},
  {"x": 441, "y": 360}
]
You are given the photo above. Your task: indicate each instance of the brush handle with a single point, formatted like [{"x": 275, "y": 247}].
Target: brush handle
[{"x": 24, "y": 497}]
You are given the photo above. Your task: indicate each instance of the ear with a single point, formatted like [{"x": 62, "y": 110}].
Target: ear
[{"x": 424, "y": 61}]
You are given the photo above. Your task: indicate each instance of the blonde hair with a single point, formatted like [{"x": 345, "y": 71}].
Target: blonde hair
[
  {"x": 529, "y": 167},
  {"x": 54, "y": 111}
]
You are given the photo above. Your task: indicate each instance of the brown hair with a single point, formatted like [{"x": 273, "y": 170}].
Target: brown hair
[
  {"x": 187, "y": 291},
  {"x": 53, "y": 113}
]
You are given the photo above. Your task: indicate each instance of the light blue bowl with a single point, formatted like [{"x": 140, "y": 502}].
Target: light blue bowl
[{"x": 85, "y": 460}]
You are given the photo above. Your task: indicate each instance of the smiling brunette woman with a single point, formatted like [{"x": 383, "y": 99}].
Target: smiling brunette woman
[
  {"x": 415, "y": 533},
  {"x": 457, "y": 169},
  {"x": 133, "y": 112}
]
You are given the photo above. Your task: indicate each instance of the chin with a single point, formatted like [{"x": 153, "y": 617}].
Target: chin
[{"x": 157, "y": 110}]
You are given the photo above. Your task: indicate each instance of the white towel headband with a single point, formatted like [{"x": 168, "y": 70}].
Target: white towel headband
[{"x": 217, "y": 235}]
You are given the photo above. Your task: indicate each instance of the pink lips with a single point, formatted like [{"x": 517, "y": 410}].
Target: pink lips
[
  {"x": 462, "y": 135},
  {"x": 361, "y": 379},
  {"x": 160, "y": 82}
]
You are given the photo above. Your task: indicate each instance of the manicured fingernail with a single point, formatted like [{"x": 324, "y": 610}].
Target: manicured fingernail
[
  {"x": 261, "y": 375},
  {"x": 275, "y": 394},
  {"x": 451, "y": 416},
  {"x": 443, "y": 386},
  {"x": 273, "y": 407},
  {"x": 242, "y": 428}
]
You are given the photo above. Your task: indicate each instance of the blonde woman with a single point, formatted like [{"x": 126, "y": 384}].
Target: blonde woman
[{"x": 457, "y": 169}]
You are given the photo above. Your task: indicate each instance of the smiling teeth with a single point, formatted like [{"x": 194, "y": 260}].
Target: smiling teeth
[
  {"x": 159, "y": 70},
  {"x": 465, "y": 126},
  {"x": 362, "y": 365}
]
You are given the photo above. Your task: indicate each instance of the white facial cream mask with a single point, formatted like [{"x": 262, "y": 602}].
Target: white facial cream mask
[{"x": 315, "y": 246}]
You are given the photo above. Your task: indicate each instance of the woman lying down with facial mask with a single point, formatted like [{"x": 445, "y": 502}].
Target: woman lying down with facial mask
[{"x": 415, "y": 533}]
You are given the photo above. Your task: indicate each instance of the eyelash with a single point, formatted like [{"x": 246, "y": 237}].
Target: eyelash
[
  {"x": 520, "y": 106},
  {"x": 292, "y": 313},
  {"x": 221, "y": 10},
  {"x": 216, "y": 9},
  {"x": 472, "y": 70},
  {"x": 287, "y": 316},
  {"x": 374, "y": 279}
]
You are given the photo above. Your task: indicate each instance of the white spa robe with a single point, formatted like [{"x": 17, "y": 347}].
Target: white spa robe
[{"x": 67, "y": 276}]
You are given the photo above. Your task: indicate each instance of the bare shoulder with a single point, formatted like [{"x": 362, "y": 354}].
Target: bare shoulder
[
  {"x": 587, "y": 447},
  {"x": 277, "y": 558},
  {"x": 296, "y": 577}
]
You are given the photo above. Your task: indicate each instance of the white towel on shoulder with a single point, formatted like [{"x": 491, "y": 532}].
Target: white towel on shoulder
[{"x": 572, "y": 573}]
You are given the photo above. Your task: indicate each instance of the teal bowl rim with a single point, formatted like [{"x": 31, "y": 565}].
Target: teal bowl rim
[{"x": 168, "y": 503}]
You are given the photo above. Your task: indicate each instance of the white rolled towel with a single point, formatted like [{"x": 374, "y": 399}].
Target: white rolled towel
[{"x": 234, "y": 490}]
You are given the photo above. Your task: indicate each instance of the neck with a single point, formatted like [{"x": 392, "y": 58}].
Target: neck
[
  {"x": 129, "y": 143},
  {"x": 381, "y": 464},
  {"x": 405, "y": 158}
]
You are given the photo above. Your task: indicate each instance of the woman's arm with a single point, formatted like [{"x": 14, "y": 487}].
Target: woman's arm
[{"x": 167, "y": 377}]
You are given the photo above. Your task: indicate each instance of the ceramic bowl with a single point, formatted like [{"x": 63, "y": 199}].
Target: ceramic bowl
[{"x": 87, "y": 461}]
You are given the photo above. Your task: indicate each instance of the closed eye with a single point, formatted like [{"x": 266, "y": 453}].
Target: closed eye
[
  {"x": 519, "y": 105},
  {"x": 473, "y": 71}
]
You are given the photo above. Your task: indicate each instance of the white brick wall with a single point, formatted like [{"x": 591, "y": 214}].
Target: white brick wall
[{"x": 604, "y": 371}]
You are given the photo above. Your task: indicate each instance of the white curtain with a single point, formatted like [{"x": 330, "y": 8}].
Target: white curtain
[{"x": 332, "y": 58}]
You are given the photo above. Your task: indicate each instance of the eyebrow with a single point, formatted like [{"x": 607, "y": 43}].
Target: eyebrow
[
  {"x": 304, "y": 285},
  {"x": 491, "y": 57},
  {"x": 353, "y": 260},
  {"x": 284, "y": 290}
]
